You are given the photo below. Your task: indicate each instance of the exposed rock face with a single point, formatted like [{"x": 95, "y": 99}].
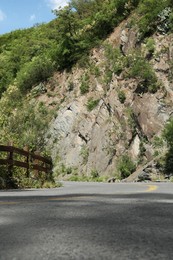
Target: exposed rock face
[
  {"x": 135, "y": 147},
  {"x": 151, "y": 114},
  {"x": 76, "y": 132},
  {"x": 94, "y": 140},
  {"x": 64, "y": 135},
  {"x": 128, "y": 39}
]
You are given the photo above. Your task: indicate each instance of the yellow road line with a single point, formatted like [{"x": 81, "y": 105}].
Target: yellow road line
[
  {"x": 8, "y": 202},
  {"x": 151, "y": 188}
]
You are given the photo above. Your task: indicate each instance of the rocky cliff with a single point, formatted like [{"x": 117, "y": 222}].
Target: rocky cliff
[{"x": 104, "y": 111}]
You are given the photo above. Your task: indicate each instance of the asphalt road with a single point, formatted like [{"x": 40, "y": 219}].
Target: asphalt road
[{"x": 88, "y": 221}]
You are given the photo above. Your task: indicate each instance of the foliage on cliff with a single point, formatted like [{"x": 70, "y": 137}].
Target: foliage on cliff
[{"x": 30, "y": 57}]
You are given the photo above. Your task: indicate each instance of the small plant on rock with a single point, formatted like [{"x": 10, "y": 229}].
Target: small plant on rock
[
  {"x": 84, "y": 153},
  {"x": 121, "y": 96},
  {"x": 84, "y": 87},
  {"x": 92, "y": 103}
]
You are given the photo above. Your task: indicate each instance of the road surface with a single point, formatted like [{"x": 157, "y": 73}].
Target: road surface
[{"x": 88, "y": 221}]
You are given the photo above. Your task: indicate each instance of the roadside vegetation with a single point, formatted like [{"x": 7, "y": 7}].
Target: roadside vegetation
[{"x": 29, "y": 58}]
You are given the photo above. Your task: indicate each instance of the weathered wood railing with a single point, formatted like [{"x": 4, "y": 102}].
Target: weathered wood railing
[{"x": 31, "y": 161}]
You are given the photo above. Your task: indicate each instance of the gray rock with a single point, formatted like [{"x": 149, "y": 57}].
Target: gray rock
[
  {"x": 113, "y": 179},
  {"x": 144, "y": 176}
]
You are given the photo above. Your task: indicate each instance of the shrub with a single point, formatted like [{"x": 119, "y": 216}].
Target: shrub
[
  {"x": 94, "y": 69},
  {"x": 142, "y": 149},
  {"x": 84, "y": 153},
  {"x": 171, "y": 21},
  {"x": 115, "y": 60},
  {"x": 132, "y": 120},
  {"x": 121, "y": 96},
  {"x": 92, "y": 103},
  {"x": 168, "y": 133},
  {"x": 158, "y": 142},
  {"x": 107, "y": 76},
  {"x": 149, "y": 11},
  {"x": 84, "y": 87},
  {"x": 150, "y": 45},
  {"x": 141, "y": 69},
  {"x": 27, "y": 125},
  {"x": 51, "y": 184},
  {"x": 94, "y": 174},
  {"x": 168, "y": 136},
  {"x": 34, "y": 72},
  {"x": 171, "y": 71},
  {"x": 125, "y": 166},
  {"x": 168, "y": 167},
  {"x": 38, "y": 90},
  {"x": 70, "y": 86}
]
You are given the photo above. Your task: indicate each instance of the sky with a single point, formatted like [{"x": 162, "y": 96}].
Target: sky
[{"x": 20, "y": 14}]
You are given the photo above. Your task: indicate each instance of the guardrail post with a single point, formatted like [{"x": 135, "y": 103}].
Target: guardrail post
[
  {"x": 36, "y": 172},
  {"x": 10, "y": 165},
  {"x": 49, "y": 170},
  {"x": 26, "y": 148}
]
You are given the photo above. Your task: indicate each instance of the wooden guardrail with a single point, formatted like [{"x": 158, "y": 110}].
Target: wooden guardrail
[{"x": 31, "y": 161}]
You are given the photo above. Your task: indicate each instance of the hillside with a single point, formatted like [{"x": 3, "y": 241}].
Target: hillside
[{"x": 93, "y": 88}]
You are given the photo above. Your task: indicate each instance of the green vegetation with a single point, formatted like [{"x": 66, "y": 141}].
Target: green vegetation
[
  {"x": 115, "y": 60},
  {"x": 131, "y": 120},
  {"x": 142, "y": 150},
  {"x": 92, "y": 103},
  {"x": 71, "y": 173},
  {"x": 153, "y": 16},
  {"x": 94, "y": 174},
  {"x": 140, "y": 68},
  {"x": 20, "y": 180},
  {"x": 114, "y": 63},
  {"x": 125, "y": 166},
  {"x": 158, "y": 142},
  {"x": 94, "y": 177},
  {"x": 22, "y": 120},
  {"x": 150, "y": 45},
  {"x": 34, "y": 72},
  {"x": 84, "y": 87},
  {"x": 121, "y": 96},
  {"x": 171, "y": 71},
  {"x": 28, "y": 59},
  {"x": 168, "y": 133},
  {"x": 63, "y": 170},
  {"x": 84, "y": 153},
  {"x": 31, "y": 55},
  {"x": 168, "y": 136}
]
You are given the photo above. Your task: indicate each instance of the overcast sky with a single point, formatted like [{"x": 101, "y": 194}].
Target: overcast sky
[{"x": 19, "y": 14}]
